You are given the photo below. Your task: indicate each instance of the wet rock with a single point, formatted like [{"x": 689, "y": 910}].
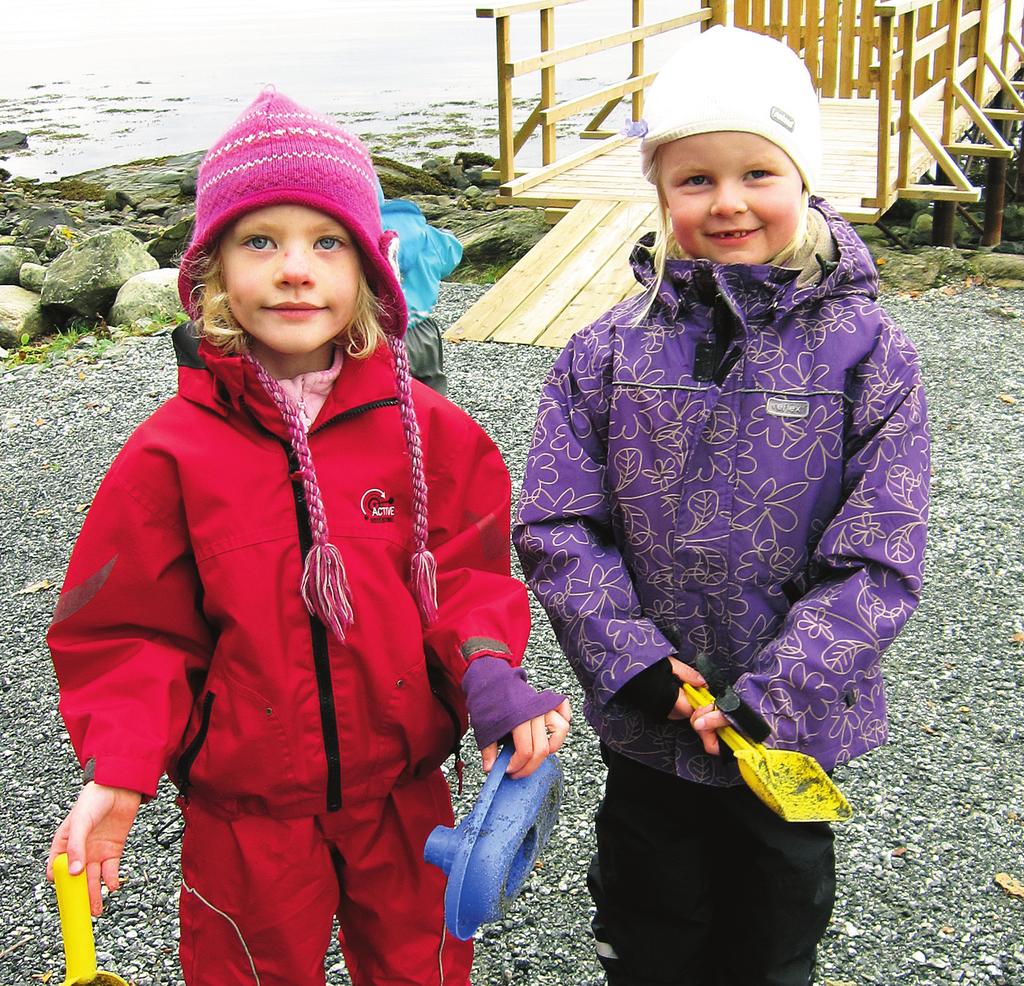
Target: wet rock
[
  {"x": 60, "y": 239},
  {"x": 38, "y": 222},
  {"x": 169, "y": 243},
  {"x": 11, "y": 259},
  {"x": 86, "y": 279},
  {"x": 399, "y": 181},
  {"x": 158, "y": 178},
  {"x": 21, "y": 315},
  {"x": 152, "y": 207},
  {"x": 899, "y": 271},
  {"x": 493, "y": 241},
  {"x": 188, "y": 183},
  {"x": 11, "y": 140},
  {"x": 1001, "y": 270},
  {"x": 151, "y": 294},
  {"x": 117, "y": 199},
  {"x": 30, "y": 277}
]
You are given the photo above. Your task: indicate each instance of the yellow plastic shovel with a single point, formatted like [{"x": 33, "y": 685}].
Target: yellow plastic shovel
[
  {"x": 76, "y": 928},
  {"x": 792, "y": 784}
]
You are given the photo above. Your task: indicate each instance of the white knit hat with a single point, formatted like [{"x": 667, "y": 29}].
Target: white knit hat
[{"x": 729, "y": 79}]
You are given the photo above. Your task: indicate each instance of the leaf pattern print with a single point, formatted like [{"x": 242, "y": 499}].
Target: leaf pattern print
[{"x": 661, "y": 514}]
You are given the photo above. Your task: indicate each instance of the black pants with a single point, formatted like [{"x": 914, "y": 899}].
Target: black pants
[
  {"x": 705, "y": 886},
  {"x": 426, "y": 354}
]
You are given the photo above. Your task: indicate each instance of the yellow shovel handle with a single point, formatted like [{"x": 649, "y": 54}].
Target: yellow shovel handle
[
  {"x": 75, "y": 922},
  {"x": 700, "y": 697}
]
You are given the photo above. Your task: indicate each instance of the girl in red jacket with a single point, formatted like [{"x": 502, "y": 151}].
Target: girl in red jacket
[{"x": 260, "y": 605}]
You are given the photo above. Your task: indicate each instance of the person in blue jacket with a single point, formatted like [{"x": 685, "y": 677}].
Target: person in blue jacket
[{"x": 426, "y": 255}]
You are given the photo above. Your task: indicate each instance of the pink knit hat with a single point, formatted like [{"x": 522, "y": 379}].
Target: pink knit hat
[{"x": 279, "y": 153}]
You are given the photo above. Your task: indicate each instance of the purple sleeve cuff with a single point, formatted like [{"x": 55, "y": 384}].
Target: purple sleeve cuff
[{"x": 500, "y": 698}]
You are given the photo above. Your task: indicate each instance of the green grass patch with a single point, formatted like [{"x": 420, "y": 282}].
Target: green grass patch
[{"x": 57, "y": 347}]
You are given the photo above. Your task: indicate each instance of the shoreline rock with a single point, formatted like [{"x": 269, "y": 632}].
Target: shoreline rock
[{"x": 150, "y": 205}]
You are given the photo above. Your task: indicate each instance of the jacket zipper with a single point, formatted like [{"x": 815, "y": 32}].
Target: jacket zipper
[
  {"x": 321, "y": 658},
  {"x": 189, "y": 754},
  {"x": 318, "y": 632}
]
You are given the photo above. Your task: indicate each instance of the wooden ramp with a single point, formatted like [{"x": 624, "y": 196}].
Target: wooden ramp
[
  {"x": 901, "y": 84},
  {"x": 581, "y": 268}
]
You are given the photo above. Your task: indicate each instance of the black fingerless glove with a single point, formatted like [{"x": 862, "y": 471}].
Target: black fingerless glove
[{"x": 653, "y": 691}]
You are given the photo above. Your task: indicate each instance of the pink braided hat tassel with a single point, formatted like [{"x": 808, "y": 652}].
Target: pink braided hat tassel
[
  {"x": 324, "y": 586},
  {"x": 424, "y": 584},
  {"x": 325, "y": 589},
  {"x": 423, "y": 567}
]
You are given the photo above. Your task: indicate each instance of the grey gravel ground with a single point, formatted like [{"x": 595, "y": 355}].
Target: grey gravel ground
[{"x": 939, "y": 812}]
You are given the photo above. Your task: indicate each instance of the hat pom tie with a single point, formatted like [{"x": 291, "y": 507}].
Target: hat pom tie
[
  {"x": 325, "y": 588},
  {"x": 424, "y": 584}
]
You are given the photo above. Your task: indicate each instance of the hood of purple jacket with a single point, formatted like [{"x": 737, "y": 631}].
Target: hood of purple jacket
[{"x": 741, "y": 475}]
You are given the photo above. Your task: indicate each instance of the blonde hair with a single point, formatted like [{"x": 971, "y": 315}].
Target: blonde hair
[
  {"x": 666, "y": 248},
  {"x": 217, "y": 322}
]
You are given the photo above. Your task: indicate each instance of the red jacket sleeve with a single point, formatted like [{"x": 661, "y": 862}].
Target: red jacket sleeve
[
  {"x": 128, "y": 639},
  {"x": 482, "y": 609}
]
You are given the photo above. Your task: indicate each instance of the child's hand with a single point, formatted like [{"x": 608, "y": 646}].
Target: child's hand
[
  {"x": 534, "y": 740},
  {"x": 705, "y": 720},
  {"x": 93, "y": 836}
]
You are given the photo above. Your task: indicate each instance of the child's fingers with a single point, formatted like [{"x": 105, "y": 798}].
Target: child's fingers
[
  {"x": 109, "y": 871},
  {"x": 557, "y": 728},
  {"x": 488, "y": 755},
  {"x": 92, "y": 871},
  {"x": 531, "y": 742},
  {"x": 706, "y": 721},
  {"x": 58, "y": 844},
  {"x": 684, "y": 672}
]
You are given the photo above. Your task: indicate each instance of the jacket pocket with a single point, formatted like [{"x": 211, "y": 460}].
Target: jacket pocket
[
  {"x": 189, "y": 754},
  {"x": 421, "y": 727},
  {"x": 239, "y": 749}
]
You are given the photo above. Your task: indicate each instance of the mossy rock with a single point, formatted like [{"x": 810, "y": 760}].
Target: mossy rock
[
  {"x": 399, "y": 181},
  {"x": 471, "y": 159},
  {"x": 75, "y": 190},
  {"x": 900, "y": 271},
  {"x": 1001, "y": 270}
]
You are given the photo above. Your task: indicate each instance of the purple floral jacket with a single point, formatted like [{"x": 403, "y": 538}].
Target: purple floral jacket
[{"x": 763, "y": 503}]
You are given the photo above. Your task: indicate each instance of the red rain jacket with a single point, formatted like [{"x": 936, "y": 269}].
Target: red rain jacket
[{"x": 181, "y": 642}]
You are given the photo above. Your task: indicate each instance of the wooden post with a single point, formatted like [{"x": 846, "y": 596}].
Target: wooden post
[
  {"x": 943, "y": 214},
  {"x": 547, "y": 84},
  {"x": 1020, "y": 164},
  {"x": 885, "y": 86},
  {"x": 995, "y": 195},
  {"x": 506, "y": 148},
  {"x": 908, "y": 37},
  {"x": 638, "y": 60},
  {"x": 979, "y": 72}
]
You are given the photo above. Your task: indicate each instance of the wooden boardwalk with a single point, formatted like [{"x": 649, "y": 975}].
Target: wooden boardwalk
[
  {"x": 581, "y": 268},
  {"x": 904, "y": 82}
]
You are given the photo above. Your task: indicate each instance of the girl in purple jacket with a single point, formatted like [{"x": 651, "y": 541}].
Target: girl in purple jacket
[{"x": 728, "y": 485}]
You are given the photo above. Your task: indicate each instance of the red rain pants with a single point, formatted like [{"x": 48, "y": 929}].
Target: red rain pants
[{"x": 259, "y": 895}]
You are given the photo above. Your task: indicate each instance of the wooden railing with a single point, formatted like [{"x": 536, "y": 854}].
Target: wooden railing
[
  {"x": 547, "y": 112},
  {"x": 908, "y": 55}
]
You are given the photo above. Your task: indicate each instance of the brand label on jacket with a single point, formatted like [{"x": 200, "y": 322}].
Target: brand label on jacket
[
  {"x": 377, "y": 507},
  {"x": 787, "y": 407}
]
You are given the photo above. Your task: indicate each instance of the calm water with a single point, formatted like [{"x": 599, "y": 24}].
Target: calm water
[{"x": 97, "y": 82}]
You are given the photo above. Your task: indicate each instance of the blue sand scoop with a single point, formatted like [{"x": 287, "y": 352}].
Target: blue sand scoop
[{"x": 489, "y": 854}]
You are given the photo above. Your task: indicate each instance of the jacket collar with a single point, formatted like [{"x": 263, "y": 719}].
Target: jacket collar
[
  {"x": 224, "y": 383},
  {"x": 757, "y": 290}
]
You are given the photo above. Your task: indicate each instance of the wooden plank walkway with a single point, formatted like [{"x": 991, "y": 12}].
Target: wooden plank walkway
[{"x": 581, "y": 268}]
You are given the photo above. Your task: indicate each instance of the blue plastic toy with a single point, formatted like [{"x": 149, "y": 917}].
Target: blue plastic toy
[{"x": 489, "y": 854}]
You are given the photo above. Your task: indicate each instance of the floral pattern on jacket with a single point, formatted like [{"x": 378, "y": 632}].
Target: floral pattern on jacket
[{"x": 766, "y": 509}]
